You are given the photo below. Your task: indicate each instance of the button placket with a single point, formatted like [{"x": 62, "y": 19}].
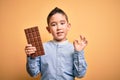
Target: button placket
[{"x": 58, "y": 63}]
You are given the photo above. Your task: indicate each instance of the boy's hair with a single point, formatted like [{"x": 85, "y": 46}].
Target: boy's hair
[{"x": 54, "y": 11}]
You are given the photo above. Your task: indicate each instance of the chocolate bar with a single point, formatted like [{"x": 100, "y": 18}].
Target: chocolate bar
[{"x": 33, "y": 37}]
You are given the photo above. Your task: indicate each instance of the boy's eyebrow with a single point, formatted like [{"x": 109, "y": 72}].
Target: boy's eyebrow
[
  {"x": 56, "y": 22},
  {"x": 52, "y": 22},
  {"x": 62, "y": 20}
]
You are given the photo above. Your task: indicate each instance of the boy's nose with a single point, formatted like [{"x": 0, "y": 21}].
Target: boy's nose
[{"x": 59, "y": 26}]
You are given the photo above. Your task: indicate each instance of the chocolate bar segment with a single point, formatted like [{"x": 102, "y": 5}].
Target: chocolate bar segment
[{"x": 33, "y": 37}]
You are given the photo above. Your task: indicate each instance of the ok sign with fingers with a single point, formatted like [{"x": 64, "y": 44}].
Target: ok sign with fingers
[{"x": 80, "y": 45}]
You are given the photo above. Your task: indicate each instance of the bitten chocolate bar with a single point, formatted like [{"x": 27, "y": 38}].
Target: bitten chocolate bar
[{"x": 33, "y": 37}]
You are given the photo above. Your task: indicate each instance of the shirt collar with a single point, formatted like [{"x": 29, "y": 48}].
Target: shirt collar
[{"x": 60, "y": 43}]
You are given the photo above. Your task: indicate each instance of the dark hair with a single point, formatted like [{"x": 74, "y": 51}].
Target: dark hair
[{"x": 54, "y": 11}]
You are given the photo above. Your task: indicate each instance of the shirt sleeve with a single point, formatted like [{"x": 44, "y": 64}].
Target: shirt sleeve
[
  {"x": 33, "y": 66},
  {"x": 80, "y": 65}
]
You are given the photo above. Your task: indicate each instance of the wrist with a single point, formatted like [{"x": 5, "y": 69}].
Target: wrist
[{"x": 78, "y": 50}]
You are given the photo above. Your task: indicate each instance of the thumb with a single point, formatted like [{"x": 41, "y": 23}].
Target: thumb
[{"x": 75, "y": 42}]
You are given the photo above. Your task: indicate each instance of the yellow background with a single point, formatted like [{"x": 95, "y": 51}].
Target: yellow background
[{"x": 98, "y": 20}]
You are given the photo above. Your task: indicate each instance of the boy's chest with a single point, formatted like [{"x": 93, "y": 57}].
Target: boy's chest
[{"x": 57, "y": 56}]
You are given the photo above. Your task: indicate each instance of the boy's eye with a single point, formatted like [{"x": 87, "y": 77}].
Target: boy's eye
[
  {"x": 62, "y": 23},
  {"x": 53, "y": 24}
]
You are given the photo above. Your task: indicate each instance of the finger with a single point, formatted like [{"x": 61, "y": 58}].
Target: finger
[
  {"x": 31, "y": 47},
  {"x": 30, "y": 51},
  {"x": 34, "y": 48},
  {"x": 28, "y": 45},
  {"x": 76, "y": 42},
  {"x": 81, "y": 37},
  {"x": 85, "y": 41}
]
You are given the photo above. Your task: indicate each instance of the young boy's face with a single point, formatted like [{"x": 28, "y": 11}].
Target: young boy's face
[{"x": 58, "y": 27}]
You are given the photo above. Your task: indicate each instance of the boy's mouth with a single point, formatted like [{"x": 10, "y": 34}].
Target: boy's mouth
[{"x": 60, "y": 33}]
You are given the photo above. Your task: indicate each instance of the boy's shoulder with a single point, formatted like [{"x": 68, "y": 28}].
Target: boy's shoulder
[{"x": 47, "y": 42}]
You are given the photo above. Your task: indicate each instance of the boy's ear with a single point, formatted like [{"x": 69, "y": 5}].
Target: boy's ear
[
  {"x": 69, "y": 26},
  {"x": 48, "y": 29}
]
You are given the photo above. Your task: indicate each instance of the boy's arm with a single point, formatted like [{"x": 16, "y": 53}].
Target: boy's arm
[
  {"x": 33, "y": 66},
  {"x": 80, "y": 65}
]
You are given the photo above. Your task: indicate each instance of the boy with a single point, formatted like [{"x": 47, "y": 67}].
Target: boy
[{"x": 62, "y": 60}]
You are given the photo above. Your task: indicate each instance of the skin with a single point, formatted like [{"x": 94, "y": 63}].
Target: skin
[{"x": 59, "y": 27}]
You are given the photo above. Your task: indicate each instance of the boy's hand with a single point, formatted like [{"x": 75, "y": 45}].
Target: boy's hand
[
  {"x": 29, "y": 49},
  {"x": 80, "y": 45}
]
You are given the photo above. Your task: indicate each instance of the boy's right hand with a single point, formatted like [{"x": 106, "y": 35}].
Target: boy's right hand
[{"x": 29, "y": 49}]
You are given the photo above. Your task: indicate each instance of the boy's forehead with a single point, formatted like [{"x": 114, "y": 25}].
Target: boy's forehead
[{"x": 58, "y": 17}]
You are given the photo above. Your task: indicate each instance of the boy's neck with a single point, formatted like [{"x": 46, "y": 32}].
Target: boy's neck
[{"x": 59, "y": 41}]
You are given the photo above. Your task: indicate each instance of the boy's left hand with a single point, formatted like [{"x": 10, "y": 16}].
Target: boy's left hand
[{"x": 80, "y": 45}]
